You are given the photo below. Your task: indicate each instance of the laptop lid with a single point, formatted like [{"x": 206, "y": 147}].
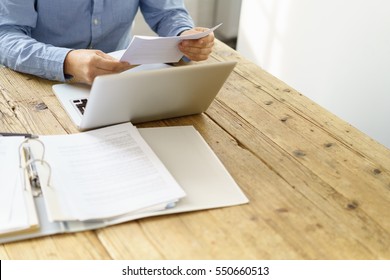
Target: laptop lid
[{"x": 145, "y": 95}]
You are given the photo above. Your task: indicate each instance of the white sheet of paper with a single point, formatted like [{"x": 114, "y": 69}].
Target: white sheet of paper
[
  {"x": 18, "y": 217},
  {"x": 13, "y": 208},
  {"x": 150, "y": 49},
  {"x": 9, "y": 167},
  {"x": 147, "y": 67},
  {"x": 107, "y": 172}
]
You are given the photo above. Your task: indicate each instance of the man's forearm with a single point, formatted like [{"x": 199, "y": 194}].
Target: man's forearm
[{"x": 20, "y": 52}]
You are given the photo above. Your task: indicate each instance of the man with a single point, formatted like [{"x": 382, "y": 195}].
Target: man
[{"x": 70, "y": 39}]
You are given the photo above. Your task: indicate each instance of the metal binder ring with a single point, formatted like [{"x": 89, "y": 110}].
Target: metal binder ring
[
  {"x": 30, "y": 163},
  {"x": 24, "y": 142},
  {"x": 42, "y": 161}
]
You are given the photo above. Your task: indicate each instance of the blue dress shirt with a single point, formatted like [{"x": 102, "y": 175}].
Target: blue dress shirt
[{"x": 36, "y": 35}]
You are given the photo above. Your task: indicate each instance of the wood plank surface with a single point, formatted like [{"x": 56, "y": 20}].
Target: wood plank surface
[{"x": 318, "y": 187}]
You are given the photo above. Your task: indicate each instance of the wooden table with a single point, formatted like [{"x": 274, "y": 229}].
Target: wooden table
[{"x": 318, "y": 187}]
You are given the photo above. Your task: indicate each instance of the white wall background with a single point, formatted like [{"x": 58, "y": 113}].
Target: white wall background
[
  {"x": 336, "y": 52},
  {"x": 206, "y": 13}
]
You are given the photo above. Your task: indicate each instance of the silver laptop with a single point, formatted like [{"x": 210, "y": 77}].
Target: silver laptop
[{"x": 143, "y": 94}]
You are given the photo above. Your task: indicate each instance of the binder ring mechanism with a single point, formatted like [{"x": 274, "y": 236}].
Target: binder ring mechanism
[{"x": 30, "y": 165}]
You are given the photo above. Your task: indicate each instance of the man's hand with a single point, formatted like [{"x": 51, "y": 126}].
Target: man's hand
[
  {"x": 86, "y": 65},
  {"x": 200, "y": 49}
]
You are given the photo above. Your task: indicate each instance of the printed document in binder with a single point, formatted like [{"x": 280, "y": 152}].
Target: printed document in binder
[
  {"x": 105, "y": 173},
  {"x": 107, "y": 176}
]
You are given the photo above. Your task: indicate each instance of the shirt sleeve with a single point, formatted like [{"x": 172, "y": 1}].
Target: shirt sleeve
[
  {"x": 22, "y": 53},
  {"x": 166, "y": 18}
]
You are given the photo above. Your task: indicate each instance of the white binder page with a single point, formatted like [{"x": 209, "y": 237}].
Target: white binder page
[
  {"x": 150, "y": 49},
  {"x": 18, "y": 218},
  {"x": 196, "y": 168},
  {"x": 107, "y": 172},
  {"x": 13, "y": 209},
  {"x": 9, "y": 166}
]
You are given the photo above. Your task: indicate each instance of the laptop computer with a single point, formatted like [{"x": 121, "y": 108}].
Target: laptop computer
[{"x": 143, "y": 94}]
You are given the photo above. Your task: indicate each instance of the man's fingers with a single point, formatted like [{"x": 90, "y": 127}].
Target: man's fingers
[
  {"x": 104, "y": 55},
  {"x": 196, "y": 51},
  {"x": 86, "y": 65},
  {"x": 199, "y": 49},
  {"x": 110, "y": 64}
]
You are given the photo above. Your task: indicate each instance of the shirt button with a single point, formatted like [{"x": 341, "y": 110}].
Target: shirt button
[{"x": 95, "y": 21}]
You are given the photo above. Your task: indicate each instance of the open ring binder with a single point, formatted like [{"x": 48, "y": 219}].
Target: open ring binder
[{"x": 112, "y": 165}]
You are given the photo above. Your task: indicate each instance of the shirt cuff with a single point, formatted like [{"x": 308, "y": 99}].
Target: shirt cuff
[{"x": 57, "y": 66}]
